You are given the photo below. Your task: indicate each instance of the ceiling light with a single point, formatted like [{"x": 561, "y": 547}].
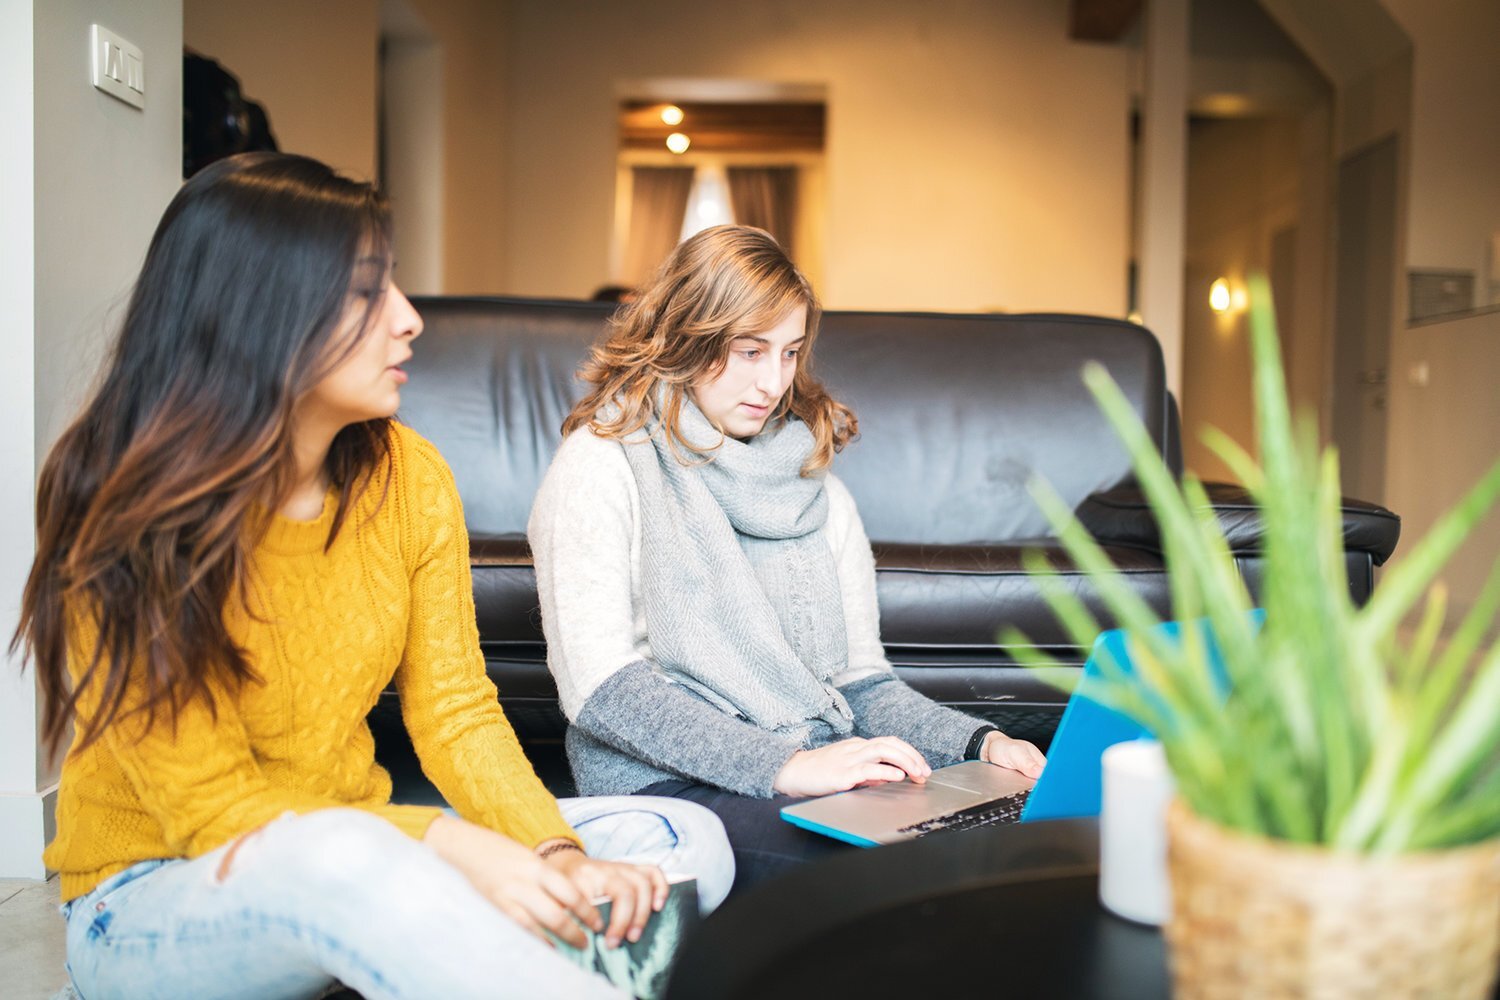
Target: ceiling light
[
  {"x": 678, "y": 143},
  {"x": 671, "y": 115}
]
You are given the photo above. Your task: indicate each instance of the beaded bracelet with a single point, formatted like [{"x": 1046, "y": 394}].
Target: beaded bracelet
[{"x": 561, "y": 845}]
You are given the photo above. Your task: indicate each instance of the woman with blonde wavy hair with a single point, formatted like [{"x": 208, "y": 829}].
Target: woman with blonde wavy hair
[{"x": 707, "y": 589}]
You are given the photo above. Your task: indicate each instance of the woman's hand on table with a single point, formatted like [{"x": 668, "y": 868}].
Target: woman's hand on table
[
  {"x": 1018, "y": 755},
  {"x": 846, "y": 764}
]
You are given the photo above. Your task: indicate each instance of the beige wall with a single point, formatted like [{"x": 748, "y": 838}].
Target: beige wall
[
  {"x": 471, "y": 35},
  {"x": 315, "y": 67},
  {"x": 311, "y": 63},
  {"x": 976, "y": 158},
  {"x": 412, "y": 172},
  {"x": 1243, "y": 186},
  {"x": 1440, "y": 439},
  {"x": 1455, "y": 157},
  {"x": 1444, "y": 413}
]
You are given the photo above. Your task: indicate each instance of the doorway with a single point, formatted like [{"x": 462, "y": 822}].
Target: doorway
[
  {"x": 684, "y": 165},
  {"x": 1363, "y": 310}
]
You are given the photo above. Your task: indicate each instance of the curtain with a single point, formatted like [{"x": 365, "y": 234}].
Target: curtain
[
  {"x": 657, "y": 205},
  {"x": 766, "y": 197}
]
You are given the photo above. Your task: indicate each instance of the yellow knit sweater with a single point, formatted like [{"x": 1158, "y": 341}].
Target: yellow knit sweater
[{"x": 329, "y": 630}]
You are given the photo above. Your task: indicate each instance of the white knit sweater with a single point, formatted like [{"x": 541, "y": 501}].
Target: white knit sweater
[{"x": 631, "y": 726}]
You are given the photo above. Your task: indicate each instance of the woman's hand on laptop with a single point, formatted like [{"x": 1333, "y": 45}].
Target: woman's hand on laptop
[
  {"x": 1018, "y": 755},
  {"x": 846, "y": 764}
]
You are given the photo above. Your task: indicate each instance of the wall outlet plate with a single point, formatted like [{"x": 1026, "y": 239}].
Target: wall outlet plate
[{"x": 119, "y": 68}]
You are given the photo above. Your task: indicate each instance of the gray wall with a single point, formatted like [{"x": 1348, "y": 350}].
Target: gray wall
[{"x": 105, "y": 171}]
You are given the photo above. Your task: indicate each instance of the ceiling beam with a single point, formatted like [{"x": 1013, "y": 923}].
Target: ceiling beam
[
  {"x": 727, "y": 127},
  {"x": 1101, "y": 20}
]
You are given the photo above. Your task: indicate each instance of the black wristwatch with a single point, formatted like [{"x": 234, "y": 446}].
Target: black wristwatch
[{"x": 976, "y": 742}]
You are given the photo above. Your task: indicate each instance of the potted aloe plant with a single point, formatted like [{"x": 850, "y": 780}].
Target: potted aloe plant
[{"x": 1337, "y": 826}]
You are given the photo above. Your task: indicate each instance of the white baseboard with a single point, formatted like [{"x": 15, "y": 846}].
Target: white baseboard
[{"x": 27, "y": 823}]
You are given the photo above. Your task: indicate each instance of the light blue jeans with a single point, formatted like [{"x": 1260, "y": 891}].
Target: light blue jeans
[{"x": 342, "y": 895}]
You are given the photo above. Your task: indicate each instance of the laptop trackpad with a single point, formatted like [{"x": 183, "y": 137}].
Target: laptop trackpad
[
  {"x": 933, "y": 797},
  {"x": 978, "y": 778}
]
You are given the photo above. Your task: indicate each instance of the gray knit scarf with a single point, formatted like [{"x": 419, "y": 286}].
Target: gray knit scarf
[{"x": 741, "y": 595}]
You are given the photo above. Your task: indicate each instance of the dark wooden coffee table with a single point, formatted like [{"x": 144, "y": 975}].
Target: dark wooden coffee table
[{"x": 1002, "y": 911}]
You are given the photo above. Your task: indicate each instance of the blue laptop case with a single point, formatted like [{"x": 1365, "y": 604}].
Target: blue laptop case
[{"x": 1071, "y": 785}]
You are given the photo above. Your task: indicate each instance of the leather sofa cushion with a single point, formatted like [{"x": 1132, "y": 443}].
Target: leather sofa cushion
[
  {"x": 939, "y": 604},
  {"x": 1121, "y": 516}
]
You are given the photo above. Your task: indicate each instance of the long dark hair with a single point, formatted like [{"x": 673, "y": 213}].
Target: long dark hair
[{"x": 149, "y": 504}]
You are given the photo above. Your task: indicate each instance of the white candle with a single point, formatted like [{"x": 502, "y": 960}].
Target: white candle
[{"x": 1133, "y": 832}]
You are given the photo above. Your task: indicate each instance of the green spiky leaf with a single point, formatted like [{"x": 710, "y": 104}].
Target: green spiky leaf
[{"x": 1334, "y": 730}]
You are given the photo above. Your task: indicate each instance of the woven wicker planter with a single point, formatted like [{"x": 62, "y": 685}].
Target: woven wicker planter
[{"x": 1254, "y": 919}]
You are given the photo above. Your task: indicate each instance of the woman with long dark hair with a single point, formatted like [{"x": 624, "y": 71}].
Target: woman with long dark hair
[
  {"x": 707, "y": 589},
  {"x": 237, "y": 550}
]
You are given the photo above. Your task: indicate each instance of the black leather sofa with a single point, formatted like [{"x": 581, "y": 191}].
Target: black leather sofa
[{"x": 956, "y": 413}]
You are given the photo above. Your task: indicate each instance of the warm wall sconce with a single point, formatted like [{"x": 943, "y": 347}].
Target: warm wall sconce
[
  {"x": 671, "y": 115},
  {"x": 1218, "y": 296},
  {"x": 1224, "y": 298},
  {"x": 678, "y": 143}
]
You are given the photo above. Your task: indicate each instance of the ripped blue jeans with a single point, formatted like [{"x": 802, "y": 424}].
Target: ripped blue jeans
[{"x": 343, "y": 896}]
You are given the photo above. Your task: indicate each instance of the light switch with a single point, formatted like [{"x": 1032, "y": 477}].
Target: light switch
[{"x": 119, "y": 68}]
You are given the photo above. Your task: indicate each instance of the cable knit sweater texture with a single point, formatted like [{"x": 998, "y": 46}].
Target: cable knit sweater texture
[
  {"x": 631, "y": 726},
  {"x": 392, "y": 597}
]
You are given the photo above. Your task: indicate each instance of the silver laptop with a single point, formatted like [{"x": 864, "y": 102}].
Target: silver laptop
[
  {"x": 963, "y": 795},
  {"x": 977, "y": 794}
]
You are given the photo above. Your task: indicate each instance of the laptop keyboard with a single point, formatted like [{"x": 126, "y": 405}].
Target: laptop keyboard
[{"x": 1006, "y": 810}]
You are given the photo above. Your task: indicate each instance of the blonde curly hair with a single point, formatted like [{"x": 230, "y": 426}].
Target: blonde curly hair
[{"x": 723, "y": 283}]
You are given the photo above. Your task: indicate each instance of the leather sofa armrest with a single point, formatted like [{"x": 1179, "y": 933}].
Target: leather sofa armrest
[{"x": 1121, "y": 516}]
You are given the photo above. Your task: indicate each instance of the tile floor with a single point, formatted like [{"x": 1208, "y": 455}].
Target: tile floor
[{"x": 31, "y": 940}]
